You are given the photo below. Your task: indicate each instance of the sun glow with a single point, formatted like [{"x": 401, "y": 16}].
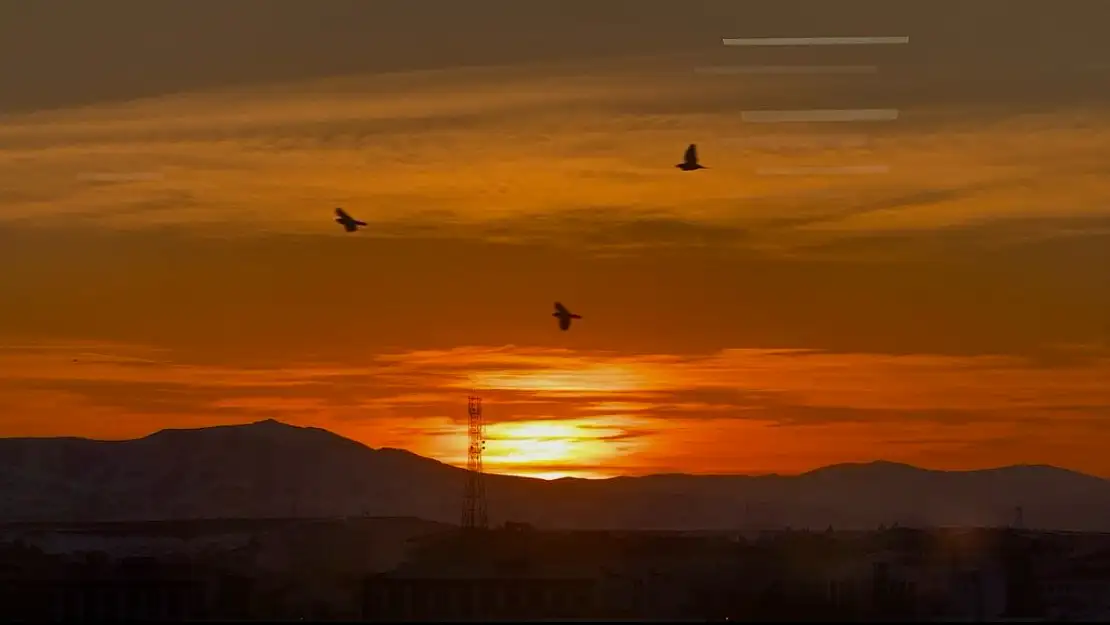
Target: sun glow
[
  {"x": 608, "y": 378},
  {"x": 552, "y": 449}
]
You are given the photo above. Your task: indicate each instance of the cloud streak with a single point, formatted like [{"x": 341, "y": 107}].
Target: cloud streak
[
  {"x": 561, "y": 407},
  {"x": 522, "y": 153}
]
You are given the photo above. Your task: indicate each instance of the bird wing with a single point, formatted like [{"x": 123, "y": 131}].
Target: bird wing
[
  {"x": 564, "y": 323},
  {"x": 349, "y": 226},
  {"x": 342, "y": 214},
  {"x": 562, "y": 310},
  {"x": 691, "y": 155}
]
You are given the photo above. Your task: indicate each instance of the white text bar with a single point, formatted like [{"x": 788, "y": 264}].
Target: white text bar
[
  {"x": 726, "y": 70},
  {"x": 821, "y": 115},
  {"x": 815, "y": 41}
]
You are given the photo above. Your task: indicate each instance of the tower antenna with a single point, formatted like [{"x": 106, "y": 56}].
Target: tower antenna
[{"x": 474, "y": 514}]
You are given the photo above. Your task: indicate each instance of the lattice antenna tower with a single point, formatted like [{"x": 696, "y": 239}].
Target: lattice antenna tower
[{"x": 474, "y": 514}]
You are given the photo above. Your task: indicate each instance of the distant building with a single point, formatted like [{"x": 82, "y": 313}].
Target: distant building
[
  {"x": 389, "y": 598},
  {"x": 1079, "y": 590},
  {"x": 147, "y": 593},
  {"x": 881, "y": 585},
  {"x": 100, "y": 600},
  {"x": 519, "y": 573}
]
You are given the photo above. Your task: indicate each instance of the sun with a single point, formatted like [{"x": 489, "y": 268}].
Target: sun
[
  {"x": 545, "y": 449},
  {"x": 533, "y": 443}
]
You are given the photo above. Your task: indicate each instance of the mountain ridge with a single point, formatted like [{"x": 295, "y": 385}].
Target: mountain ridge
[
  {"x": 276, "y": 425},
  {"x": 271, "y": 469}
]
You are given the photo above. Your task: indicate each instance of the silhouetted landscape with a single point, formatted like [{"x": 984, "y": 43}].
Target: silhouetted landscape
[
  {"x": 270, "y": 469},
  {"x": 845, "y": 358}
]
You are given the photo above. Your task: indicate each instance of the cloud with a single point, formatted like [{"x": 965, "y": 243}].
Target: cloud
[
  {"x": 271, "y": 300},
  {"x": 522, "y": 384},
  {"x": 576, "y": 153},
  {"x": 551, "y": 408}
]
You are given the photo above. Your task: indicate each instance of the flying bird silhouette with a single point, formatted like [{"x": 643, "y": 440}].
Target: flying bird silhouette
[
  {"x": 350, "y": 224},
  {"x": 564, "y": 316},
  {"x": 690, "y": 159}
]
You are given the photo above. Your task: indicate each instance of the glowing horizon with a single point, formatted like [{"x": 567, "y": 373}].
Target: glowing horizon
[
  {"x": 174, "y": 263},
  {"x": 554, "y": 413}
]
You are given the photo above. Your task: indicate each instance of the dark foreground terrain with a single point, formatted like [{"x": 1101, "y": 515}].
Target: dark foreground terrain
[{"x": 411, "y": 570}]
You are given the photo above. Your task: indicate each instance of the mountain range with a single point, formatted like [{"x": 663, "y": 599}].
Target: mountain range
[{"x": 270, "y": 469}]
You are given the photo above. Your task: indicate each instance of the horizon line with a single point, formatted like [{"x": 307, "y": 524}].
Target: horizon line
[{"x": 491, "y": 469}]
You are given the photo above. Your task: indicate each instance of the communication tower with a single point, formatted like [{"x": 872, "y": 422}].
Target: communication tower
[{"x": 474, "y": 514}]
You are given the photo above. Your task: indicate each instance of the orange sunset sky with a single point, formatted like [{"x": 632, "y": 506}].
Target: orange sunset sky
[{"x": 169, "y": 256}]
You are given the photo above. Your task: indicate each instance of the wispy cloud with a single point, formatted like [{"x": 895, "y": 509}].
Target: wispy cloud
[
  {"x": 526, "y": 153},
  {"x": 548, "y": 407}
]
